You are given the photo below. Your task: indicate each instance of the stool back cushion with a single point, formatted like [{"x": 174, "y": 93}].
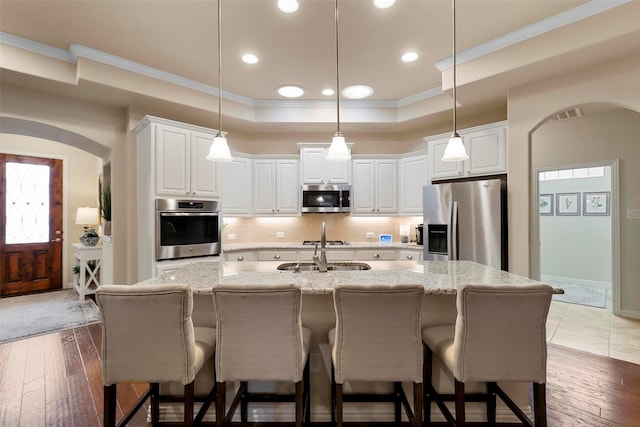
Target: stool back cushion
[
  {"x": 147, "y": 333},
  {"x": 377, "y": 335},
  {"x": 259, "y": 333},
  {"x": 500, "y": 333}
]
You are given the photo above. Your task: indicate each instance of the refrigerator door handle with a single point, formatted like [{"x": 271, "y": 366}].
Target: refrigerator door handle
[{"x": 453, "y": 233}]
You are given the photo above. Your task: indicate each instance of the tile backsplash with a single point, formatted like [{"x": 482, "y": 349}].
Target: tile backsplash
[{"x": 295, "y": 229}]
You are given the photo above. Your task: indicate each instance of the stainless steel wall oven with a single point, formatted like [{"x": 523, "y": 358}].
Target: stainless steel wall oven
[{"x": 187, "y": 228}]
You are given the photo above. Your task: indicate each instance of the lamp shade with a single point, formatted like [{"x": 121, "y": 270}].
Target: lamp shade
[
  {"x": 455, "y": 151},
  {"x": 219, "y": 151},
  {"x": 87, "y": 216},
  {"x": 338, "y": 149}
]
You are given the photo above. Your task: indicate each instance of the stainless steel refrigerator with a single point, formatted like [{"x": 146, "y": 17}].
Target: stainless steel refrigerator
[{"x": 466, "y": 221}]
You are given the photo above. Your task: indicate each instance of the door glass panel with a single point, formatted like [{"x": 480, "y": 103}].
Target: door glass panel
[{"x": 27, "y": 203}]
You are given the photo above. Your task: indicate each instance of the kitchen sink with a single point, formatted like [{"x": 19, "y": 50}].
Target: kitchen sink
[{"x": 332, "y": 266}]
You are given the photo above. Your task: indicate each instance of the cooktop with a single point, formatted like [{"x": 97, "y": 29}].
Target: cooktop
[{"x": 329, "y": 242}]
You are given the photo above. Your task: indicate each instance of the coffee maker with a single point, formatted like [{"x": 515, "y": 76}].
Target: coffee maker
[{"x": 419, "y": 238}]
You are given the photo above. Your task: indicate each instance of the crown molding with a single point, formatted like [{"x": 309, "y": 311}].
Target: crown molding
[{"x": 562, "y": 19}]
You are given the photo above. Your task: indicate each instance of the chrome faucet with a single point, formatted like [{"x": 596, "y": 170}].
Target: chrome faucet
[{"x": 321, "y": 261}]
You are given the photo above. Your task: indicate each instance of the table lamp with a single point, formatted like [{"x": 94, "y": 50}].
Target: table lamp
[{"x": 88, "y": 217}]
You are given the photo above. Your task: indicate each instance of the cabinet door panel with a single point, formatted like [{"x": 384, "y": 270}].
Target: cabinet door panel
[
  {"x": 313, "y": 165},
  {"x": 203, "y": 171},
  {"x": 235, "y": 186},
  {"x": 264, "y": 184},
  {"x": 363, "y": 200},
  {"x": 287, "y": 188},
  {"x": 172, "y": 161},
  {"x": 487, "y": 151},
  {"x": 438, "y": 168},
  {"x": 413, "y": 175},
  {"x": 386, "y": 186},
  {"x": 337, "y": 171}
]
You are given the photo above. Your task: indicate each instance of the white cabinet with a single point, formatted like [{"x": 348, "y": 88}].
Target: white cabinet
[
  {"x": 413, "y": 175},
  {"x": 276, "y": 188},
  {"x": 375, "y": 186},
  {"x": 240, "y": 256},
  {"x": 486, "y": 146},
  {"x": 182, "y": 169},
  {"x": 278, "y": 255},
  {"x": 316, "y": 169},
  {"x": 234, "y": 181}
]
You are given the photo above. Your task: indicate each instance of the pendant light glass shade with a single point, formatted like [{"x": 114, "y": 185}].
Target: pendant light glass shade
[
  {"x": 219, "y": 151},
  {"x": 455, "y": 151},
  {"x": 338, "y": 149}
]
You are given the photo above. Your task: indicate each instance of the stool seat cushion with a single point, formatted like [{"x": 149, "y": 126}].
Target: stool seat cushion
[
  {"x": 440, "y": 341},
  {"x": 205, "y": 338}
]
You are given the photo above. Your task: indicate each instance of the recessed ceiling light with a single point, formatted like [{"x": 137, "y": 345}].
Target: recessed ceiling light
[
  {"x": 328, "y": 92},
  {"x": 288, "y": 6},
  {"x": 249, "y": 58},
  {"x": 383, "y": 4},
  {"x": 290, "y": 91},
  {"x": 409, "y": 57},
  {"x": 357, "y": 91}
]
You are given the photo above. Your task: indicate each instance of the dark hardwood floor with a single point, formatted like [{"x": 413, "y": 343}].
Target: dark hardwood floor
[{"x": 56, "y": 380}]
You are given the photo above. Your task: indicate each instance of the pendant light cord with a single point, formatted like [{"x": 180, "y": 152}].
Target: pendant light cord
[
  {"x": 337, "y": 71},
  {"x": 219, "y": 67},
  {"x": 455, "y": 128}
]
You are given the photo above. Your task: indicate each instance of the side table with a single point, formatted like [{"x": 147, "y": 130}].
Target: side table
[{"x": 89, "y": 261}]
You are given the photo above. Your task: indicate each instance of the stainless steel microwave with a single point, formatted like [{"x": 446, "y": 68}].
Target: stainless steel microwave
[{"x": 326, "y": 198}]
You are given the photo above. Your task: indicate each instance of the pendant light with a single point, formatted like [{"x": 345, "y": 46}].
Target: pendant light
[
  {"x": 338, "y": 149},
  {"x": 219, "y": 151},
  {"x": 455, "y": 151}
]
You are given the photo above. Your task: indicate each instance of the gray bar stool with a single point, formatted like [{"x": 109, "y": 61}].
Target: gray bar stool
[
  {"x": 377, "y": 338},
  {"x": 148, "y": 337},
  {"x": 499, "y": 336},
  {"x": 260, "y": 337}
]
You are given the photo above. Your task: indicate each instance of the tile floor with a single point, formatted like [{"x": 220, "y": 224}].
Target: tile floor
[{"x": 594, "y": 330}]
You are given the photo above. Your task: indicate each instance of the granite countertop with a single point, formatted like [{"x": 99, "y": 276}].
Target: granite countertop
[
  {"x": 437, "y": 277},
  {"x": 292, "y": 245}
]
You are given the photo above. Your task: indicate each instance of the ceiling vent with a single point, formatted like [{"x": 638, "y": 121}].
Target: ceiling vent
[{"x": 572, "y": 113}]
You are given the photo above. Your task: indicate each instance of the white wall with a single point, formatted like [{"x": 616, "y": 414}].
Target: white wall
[{"x": 576, "y": 246}]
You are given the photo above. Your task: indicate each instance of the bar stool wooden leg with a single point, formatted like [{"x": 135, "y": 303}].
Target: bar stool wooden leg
[
  {"x": 427, "y": 374},
  {"x": 418, "y": 395},
  {"x": 491, "y": 403},
  {"x": 110, "y": 405},
  {"x": 460, "y": 413},
  {"x": 540, "y": 404},
  {"x": 397, "y": 403},
  {"x": 221, "y": 404},
  {"x": 339, "y": 405}
]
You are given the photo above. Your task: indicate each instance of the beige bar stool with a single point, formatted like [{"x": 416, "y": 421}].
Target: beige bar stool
[
  {"x": 260, "y": 337},
  {"x": 499, "y": 336},
  {"x": 377, "y": 338},
  {"x": 148, "y": 337}
]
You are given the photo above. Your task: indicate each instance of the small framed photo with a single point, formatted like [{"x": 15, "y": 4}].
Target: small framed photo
[
  {"x": 545, "y": 204},
  {"x": 595, "y": 203},
  {"x": 568, "y": 204}
]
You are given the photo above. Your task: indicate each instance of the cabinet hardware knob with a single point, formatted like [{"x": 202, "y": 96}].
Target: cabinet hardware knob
[
  {"x": 409, "y": 256},
  {"x": 240, "y": 258},
  {"x": 276, "y": 256},
  {"x": 376, "y": 255}
]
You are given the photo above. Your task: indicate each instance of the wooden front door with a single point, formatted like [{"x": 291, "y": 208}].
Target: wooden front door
[{"x": 31, "y": 227}]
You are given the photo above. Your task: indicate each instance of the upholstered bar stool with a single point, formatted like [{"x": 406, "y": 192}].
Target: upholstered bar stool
[
  {"x": 260, "y": 337},
  {"x": 499, "y": 336},
  {"x": 377, "y": 338},
  {"x": 148, "y": 337}
]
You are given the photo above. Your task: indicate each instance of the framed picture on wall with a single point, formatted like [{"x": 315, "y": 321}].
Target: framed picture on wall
[
  {"x": 595, "y": 203},
  {"x": 568, "y": 204},
  {"x": 545, "y": 204}
]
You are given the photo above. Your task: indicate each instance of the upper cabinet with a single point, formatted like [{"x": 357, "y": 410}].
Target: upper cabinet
[
  {"x": 375, "y": 186},
  {"x": 486, "y": 146},
  {"x": 179, "y": 150},
  {"x": 234, "y": 182},
  {"x": 275, "y": 187},
  {"x": 316, "y": 169},
  {"x": 413, "y": 175}
]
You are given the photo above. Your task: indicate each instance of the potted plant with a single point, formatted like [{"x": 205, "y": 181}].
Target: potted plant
[{"x": 105, "y": 208}]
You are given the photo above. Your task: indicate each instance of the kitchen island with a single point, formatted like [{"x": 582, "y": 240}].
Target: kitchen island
[{"x": 441, "y": 280}]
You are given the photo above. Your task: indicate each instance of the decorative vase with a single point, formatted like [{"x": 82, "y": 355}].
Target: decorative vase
[{"x": 106, "y": 228}]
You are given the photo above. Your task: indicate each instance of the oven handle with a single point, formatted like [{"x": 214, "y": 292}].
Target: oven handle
[{"x": 189, "y": 213}]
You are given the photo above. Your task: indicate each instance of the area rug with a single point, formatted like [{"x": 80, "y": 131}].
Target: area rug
[
  {"x": 30, "y": 315},
  {"x": 592, "y": 296}
]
